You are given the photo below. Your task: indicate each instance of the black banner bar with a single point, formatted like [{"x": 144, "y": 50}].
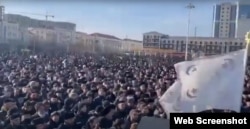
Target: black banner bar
[{"x": 209, "y": 120}]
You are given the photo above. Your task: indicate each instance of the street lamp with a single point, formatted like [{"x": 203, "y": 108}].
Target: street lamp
[{"x": 189, "y": 7}]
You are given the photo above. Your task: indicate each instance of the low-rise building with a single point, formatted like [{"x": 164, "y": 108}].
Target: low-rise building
[
  {"x": 57, "y": 35},
  {"x": 44, "y": 35},
  {"x": 208, "y": 45},
  {"x": 106, "y": 43},
  {"x": 84, "y": 42},
  {"x": 130, "y": 45},
  {"x": 9, "y": 32},
  {"x": 65, "y": 36}
]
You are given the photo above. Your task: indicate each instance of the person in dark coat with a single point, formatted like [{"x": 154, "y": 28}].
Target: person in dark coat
[
  {"x": 15, "y": 122},
  {"x": 54, "y": 121},
  {"x": 121, "y": 110},
  {"x": 133, "y": 117},
  {"x": 82, "y": 116},
  {"x": 100, "y": 98},
  {"x": 69, "y": 121},
  {"x": 38, "y": 123},
  {"x": 41, "y": 112},
  {"x": 107, "y": 120}
]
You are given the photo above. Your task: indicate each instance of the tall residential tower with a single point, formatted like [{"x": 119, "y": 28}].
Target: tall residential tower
[{"x": 231, "y": 20}]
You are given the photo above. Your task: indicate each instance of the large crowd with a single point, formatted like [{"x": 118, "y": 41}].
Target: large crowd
[{"x": 85, "y": 91}]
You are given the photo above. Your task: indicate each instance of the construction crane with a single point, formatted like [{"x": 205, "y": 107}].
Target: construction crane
[
  {"x": 46, "y": 20},
  {"x": 45, "y": 15}
]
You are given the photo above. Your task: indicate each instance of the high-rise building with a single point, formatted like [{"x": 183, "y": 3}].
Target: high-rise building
[
  {"x": 1, "y": 13},
  {"x": 1, "y": 24},
  {"x": 243, "y": 18},
  {"x": 225, "y": 20},
  {"x": 231, "y": 20}
]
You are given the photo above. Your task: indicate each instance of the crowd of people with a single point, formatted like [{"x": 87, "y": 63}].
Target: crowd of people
[{"x": 84, "y": 91}]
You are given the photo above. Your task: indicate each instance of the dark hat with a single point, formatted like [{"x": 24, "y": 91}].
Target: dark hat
[
  {"x": 28, "y": 104},
  {"x": 12, "y": 111},
  {"x": 68, "y": 101},
  {"x": 99, "y": 109},
  {"x": 55, "y": 113},
  {"x": 9, "y": 100},
  {"x": 37, "y": 121},
  {"x": 107, "y": 109},
  {"x": 105, "y": 103},
  {"x": 69, "y": 115},
  {"x": 14, "y": 116}
]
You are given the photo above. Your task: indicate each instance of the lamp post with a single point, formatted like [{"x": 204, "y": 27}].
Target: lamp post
[{"x": 189, "y": 7}]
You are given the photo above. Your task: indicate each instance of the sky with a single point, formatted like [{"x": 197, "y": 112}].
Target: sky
[{"x": 123, "y": 18}]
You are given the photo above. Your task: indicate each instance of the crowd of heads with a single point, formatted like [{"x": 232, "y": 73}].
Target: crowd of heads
[{"x": 84, "y": 91}]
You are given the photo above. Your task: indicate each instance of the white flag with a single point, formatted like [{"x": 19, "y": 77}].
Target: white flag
[
  {"x": 213, "y": 81},
  {"x": 170, "y": 99}
]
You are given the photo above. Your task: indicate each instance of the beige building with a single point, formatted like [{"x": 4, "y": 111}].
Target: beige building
[
  {"x": 130, "y": 45},
  {"x": 44, "y": 35},
  {"x": 65, "y": 36},
  {"x": 84, "y": 42},
  {"x": 208, "y": 45},
  {"x": 106, "y": 43},
  {"x": 9, "y": 32},
  {"x": 59, "y": 36}
]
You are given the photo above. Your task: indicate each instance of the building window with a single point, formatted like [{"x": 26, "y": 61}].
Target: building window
[{"x": 182, "y": 42}]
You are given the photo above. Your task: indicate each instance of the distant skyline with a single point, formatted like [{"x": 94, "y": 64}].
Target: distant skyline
[{"x": 121, "y": 19}]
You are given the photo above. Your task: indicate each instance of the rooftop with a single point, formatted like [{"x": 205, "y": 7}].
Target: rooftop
[
  {"x": 126, "y": 39},
  {"x": 154, "y": 32},
  {"x": 104, "y": 36}
]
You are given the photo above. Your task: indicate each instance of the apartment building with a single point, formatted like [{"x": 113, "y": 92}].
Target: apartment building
[
  {"x": 231, "y": 20},
  {"x": 152, "y": 39},
  {"x": 59, "y": 36},
  {"x": 9, "y": 32},
  {"x": 131, "y": 45},
  {"x": 208, "y": 45},
  {"x": 106, "y": 43},
  {"x": 27, "y": 22}
]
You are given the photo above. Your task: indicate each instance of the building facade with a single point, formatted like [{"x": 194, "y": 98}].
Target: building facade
[
  {"x": 152, "y": 39},
  {"x": 130, "y": 45},
  {"x": 231, "y": 20},
  {"x": 59, "y": 36},
  {"x": 2, "y": 9},
  {"x": 84, "y": 42},
  {"x": 243, "y": 22},
  {"x": 9, "y": 32},
  {"x": 208, "y": 45},
  {"x": 27, "y": 22},
  {"x": 225, "y": 20},
  {"x": 106, "y": 43}
]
